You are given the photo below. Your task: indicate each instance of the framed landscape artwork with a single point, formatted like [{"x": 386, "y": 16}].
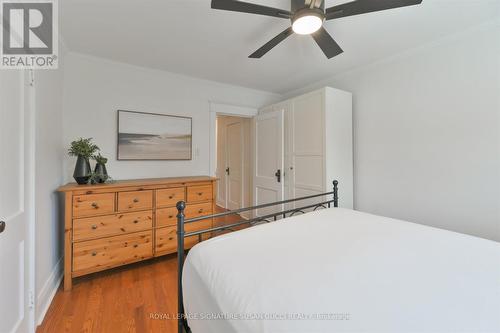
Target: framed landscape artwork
[{"x": 151, "y": 136}]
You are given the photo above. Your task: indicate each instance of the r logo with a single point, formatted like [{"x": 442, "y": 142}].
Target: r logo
[{"x": 27, "y": 28}]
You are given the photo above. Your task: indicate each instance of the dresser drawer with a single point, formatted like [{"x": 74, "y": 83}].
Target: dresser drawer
[
  {"x": 99, "y": 254},
  {"x": 166, "y": 238},
  {"x": 168, "y": 197},
  {"x": 111, "y": 225},
  {"x": 135, "y": 200},
  {"x": 198, "y": 209},
  {"x": 166, "y": 216},
  {"x": 93, "y": 204},
  {"x": 199, "y": 193}
]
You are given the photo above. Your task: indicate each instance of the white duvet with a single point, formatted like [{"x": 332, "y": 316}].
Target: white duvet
[{"x": 338, "y": 270}]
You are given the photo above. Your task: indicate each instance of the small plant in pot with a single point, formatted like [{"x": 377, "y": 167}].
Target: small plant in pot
[
  {"x": 100, "y": 173},
  {"x": 83, "y": 149}
]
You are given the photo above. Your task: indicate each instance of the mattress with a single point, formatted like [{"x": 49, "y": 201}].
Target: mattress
[{"x": 338, "y": 270}]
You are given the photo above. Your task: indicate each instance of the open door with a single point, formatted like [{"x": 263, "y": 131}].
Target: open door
[
  {"x": 15, "y": 194},
  {"x": 268, "y": 160},
  {"x": 234, "y": 159}
]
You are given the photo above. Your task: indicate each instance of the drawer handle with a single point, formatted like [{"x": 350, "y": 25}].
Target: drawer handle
[
  {"x": 94, "y": 226},
  {"x": 95, "y": 205},
  {"x": 136, "y": 221},
  {"x": 200, "y": 210},
  {"x": 136, "y": 200},
  {"x": 135, "y": 245},
  {"x": 172, "y": 196},
  {"x": 200, "y": 193},
  {"x": 94, "y": 254},
  {"x": 170, "y": 216}
]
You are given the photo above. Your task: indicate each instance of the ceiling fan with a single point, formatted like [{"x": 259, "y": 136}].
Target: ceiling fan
[{"x": 307, "y": 17}]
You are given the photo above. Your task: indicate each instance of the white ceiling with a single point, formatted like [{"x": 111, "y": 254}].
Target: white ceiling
[{"x": 186, "y": 36}]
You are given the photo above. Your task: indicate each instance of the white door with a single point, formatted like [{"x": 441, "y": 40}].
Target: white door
[
  {"x": 306, "y": 173},
  {"x": 268, "y": 161},
  {"x": 220, "y": 170},
  {"x": 234, "y": 156},
  {"x": 15, "y": 192}
]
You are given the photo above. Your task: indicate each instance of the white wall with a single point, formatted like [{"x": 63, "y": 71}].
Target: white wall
[
  {"x": 49, "y": 154},
  {"x": 427, "y": 133},
  {"x": 95, "y": 88}
]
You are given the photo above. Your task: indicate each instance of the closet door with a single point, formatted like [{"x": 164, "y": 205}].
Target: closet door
[
  {"x": 306, "y": 147},
  {"x": 268, "y": 167}
]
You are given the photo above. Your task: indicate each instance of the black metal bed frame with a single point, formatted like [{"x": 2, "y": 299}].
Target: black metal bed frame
[{"x": 181, "y": 234}]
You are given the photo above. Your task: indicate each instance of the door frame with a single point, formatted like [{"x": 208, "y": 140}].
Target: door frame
[
  {"x": 30, "y": 84},
  {"x": 218, "y": 109}
]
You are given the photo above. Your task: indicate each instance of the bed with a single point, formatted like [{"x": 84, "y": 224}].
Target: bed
[{"x": 339, "y": 270}]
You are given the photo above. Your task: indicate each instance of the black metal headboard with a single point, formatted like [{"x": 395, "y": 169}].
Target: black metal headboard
[{"x": 181, "y": 234}]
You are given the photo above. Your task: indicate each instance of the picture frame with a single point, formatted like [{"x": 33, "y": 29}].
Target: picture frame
[{"x": 143, "y": 136}]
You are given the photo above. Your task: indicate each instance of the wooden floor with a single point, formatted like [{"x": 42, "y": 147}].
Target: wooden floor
[{"x": 139, "y": 297}]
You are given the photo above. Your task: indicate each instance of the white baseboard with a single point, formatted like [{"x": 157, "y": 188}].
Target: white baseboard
[{"x": 48, "y": 291}]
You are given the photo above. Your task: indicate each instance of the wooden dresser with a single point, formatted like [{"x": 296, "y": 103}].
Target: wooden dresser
[{"x": 109, "y": 225}]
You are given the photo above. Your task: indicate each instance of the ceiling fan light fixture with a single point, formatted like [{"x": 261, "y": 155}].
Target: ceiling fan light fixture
[
  {"x": 307, "y": 17},
  {"x": 307, "y": 21}
]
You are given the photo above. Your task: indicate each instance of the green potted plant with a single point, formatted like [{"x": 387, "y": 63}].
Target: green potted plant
[
  {"x": 83, "y": 149},
  {"x": 100, "y": 172}
]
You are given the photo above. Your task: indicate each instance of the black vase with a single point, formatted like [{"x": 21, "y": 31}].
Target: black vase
[
  {"x": 82, "y": 171},
  {"x": 101, "y": 174}
]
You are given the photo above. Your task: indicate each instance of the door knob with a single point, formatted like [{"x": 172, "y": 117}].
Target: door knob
[
  {"x": 227, "y": 171},
  {"x": 2, "y": 226},
  {"x": 278, "y": 175}
]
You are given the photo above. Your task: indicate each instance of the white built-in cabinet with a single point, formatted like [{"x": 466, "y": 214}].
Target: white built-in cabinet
[{"x": 317, "y": 145}]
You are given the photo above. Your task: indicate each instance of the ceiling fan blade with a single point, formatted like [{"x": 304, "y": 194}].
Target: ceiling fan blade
[
  {"x": 313, "y": 3},
  {"x": 327, "y": 44},
  {"x": 366, "y": 6},
  {"x": 272, "y": 43},
  {"x": 245, "y": 7}
]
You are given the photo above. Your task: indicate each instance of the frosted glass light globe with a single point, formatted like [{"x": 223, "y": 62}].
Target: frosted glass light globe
[{"x": 306, "y": 25}]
